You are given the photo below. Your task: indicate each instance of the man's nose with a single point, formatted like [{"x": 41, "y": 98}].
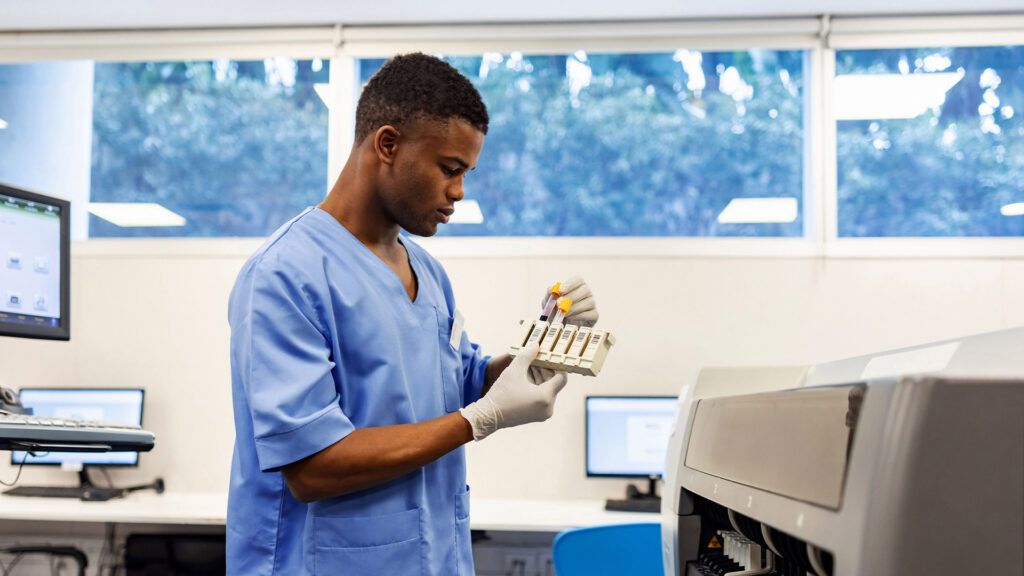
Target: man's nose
[{"x": 455, "y": 191}]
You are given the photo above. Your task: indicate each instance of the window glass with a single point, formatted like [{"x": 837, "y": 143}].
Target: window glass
[
  {"x": 197, "y": 148},
  {"x": 930, "y": 141},
  {"x": 682, "y": 143}
]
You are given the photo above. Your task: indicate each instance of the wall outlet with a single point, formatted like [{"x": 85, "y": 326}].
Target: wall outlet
[
  {"x": 545, "y": 564},
  {"x": 520, "y": 564}
]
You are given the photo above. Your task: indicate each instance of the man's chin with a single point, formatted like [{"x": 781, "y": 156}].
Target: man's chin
[{"x": 425, "y": 230}]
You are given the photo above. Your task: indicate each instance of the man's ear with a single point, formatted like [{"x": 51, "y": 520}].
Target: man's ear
[{"x": 385, "y": 143}]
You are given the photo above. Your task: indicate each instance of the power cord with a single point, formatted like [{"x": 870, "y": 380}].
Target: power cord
[
  {"x": 21, "y": 466},
  {"x": 66, "y": 551},
  {"x": 9, "y": 567}
]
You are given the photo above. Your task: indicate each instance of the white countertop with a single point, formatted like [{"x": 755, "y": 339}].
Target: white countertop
[{"x": 211, "y": 509}]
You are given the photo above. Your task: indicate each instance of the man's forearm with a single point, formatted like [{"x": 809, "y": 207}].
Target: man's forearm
[{"x": 370, "y": 456}]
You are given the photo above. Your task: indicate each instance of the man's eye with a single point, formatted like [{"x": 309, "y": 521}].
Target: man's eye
[{"x": 449, "y": 171}]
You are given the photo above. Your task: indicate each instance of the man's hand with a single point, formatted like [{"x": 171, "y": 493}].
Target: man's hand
[
  {"x": 584, "y": 307},
  {"x": 522, "y": 394}
]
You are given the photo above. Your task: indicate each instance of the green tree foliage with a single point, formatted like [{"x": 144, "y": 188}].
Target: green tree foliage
[
  {"x": 236, "y": 148},
  {"x": 634, "y": 151},
  {"x": 581, "y": 144},
  {"x": 948, "y": 171}
]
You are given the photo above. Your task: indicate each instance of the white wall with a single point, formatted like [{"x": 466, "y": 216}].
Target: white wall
[{"x": 161, "y": 323}]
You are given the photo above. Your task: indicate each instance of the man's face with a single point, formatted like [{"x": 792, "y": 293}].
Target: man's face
[{"x": 420, "y": 189}]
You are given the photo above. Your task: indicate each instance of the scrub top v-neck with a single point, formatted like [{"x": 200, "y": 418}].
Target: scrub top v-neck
[{"x": 324, "y": 340}]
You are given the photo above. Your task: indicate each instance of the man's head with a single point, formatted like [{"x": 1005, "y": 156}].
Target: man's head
[{"x": 423, "y": 123}]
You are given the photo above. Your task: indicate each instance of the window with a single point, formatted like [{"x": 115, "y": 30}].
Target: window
[
  {"x": 682, "y": 143},
  {"x": 196, "y": 148},
  {"x": 930, "y": 141}
]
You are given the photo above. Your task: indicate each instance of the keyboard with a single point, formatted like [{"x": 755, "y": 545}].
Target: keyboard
[
  {"x": 634, "y": 505},
  {"x": 22, "y": 432},
  {"x": 46, "y": 491}
]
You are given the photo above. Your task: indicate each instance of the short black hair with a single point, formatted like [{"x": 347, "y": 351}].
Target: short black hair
[{"x": 413, "y": 86}]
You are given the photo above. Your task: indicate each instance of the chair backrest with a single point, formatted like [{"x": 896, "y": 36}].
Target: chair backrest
[{"x": 616, "y": 550}]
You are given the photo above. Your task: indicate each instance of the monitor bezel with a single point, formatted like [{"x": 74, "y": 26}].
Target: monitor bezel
[
  {"x": 586, "y": 433},
  {"x": 63, "y": 329},
  {"x": 142, "y": 415}
]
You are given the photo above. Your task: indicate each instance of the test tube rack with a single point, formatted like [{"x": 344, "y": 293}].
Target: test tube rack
[{"x": 565, "y": 347}]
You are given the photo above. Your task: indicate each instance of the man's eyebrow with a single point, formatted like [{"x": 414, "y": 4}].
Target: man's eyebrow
[{"x": 461, "y": 162}]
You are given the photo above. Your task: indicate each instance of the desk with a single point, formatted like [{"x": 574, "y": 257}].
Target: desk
[{"x": 210, "y": 509}]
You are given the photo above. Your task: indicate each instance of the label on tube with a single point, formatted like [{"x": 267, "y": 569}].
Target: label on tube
[
  {"x": 551, "y": 338},
  {"x": 565, "y": 340},
  {"x": 594, "y": 345},
  {"x": 539, "y": 329},
  {"x": 579, "y": 343}
]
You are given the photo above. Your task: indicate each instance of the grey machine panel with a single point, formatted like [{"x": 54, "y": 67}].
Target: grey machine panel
[{"x": 893, "y": 475}]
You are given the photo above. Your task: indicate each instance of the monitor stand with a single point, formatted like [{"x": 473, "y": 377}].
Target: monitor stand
[
  {"x": 85, "y": 490},
  {"x": 637, "y": 501}
]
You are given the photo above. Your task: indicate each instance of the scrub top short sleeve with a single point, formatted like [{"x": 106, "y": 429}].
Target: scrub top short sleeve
[
  {"x": 324, "y": 339},
  {"x": 292, "y": 395},
  {"x": 474, "y": 370}
]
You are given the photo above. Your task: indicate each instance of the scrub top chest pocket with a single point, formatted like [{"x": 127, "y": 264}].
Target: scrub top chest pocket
[{"x": 449, "y": 330}]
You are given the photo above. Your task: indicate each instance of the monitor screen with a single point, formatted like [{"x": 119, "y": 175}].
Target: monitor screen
[
  {"x": 627, "y": 436},
  {"x": 34, "y": 265},
  {"x": 109, "y": 405}
]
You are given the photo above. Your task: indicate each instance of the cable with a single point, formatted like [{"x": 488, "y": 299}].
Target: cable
[
  {"x": 20, "y": 466},
  {"x": 17, "y": 558},
  {"x": 107, "y": 552}
]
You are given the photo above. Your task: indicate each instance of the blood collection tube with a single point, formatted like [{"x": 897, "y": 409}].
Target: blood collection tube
[
  {"x": 549, "y": 306},
  {"x": 564, "y": 304}
]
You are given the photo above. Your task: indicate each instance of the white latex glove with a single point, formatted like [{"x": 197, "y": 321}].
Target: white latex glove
[
  {"x": 584, "y": 307},
  {"x": 522, "y": 394}
]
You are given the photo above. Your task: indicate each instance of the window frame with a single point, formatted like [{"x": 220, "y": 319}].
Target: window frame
[{"x": 821, "y": 37}]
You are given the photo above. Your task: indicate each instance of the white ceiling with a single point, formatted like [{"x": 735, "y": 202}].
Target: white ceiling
[{"x": 128, "y": 14}]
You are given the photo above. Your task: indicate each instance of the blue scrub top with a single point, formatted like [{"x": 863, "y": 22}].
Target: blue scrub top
[{"x": 324, "y": 339}]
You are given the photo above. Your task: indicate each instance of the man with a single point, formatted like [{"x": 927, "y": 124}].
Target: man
[{"x": 353, "y": 385}]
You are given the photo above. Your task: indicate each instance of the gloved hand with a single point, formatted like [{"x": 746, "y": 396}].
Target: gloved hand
[
  {"x": 584, "y": 307},
  {"x": 522, "y": 394}
]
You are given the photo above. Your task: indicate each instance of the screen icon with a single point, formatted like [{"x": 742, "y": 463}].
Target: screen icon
[
  {"x": 14, "y": 260},
  {"x": 42, "y": 265},
  {"x": 13, "y": 300}
]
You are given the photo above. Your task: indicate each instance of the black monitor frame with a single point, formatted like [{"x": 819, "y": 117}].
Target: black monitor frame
[
  {"x": 142, "y": 414},
  {"x": 586, "y": 434},
  {"x": 63, "y": 329}
]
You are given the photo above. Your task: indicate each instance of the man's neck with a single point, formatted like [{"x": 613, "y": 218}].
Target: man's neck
[{"x": 354, "y": 205}]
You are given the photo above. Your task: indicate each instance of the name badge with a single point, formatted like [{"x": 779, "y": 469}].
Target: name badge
[{"x": 457, "y": 322}]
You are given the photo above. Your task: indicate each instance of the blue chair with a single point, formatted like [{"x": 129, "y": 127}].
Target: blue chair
[{"x": 617, "y": 550}]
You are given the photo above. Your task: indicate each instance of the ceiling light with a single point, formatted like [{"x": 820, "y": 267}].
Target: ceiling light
[
  {"x": 1015, "y": 209},
  {"x": 134, "y": 215},
  {"x": 759, "y": 211},
  {"x": 467, "y": 212},
  {"x": 890, "y": 96}
]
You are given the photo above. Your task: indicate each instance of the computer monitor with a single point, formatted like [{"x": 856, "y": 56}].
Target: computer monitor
[
  {"x": 108, "y": 405},
  {"x": 34, "y": 265},
  {"x": 627, "y": 436}
]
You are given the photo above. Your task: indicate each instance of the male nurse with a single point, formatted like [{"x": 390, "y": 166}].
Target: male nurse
[{"x": 354, "y": 386}]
